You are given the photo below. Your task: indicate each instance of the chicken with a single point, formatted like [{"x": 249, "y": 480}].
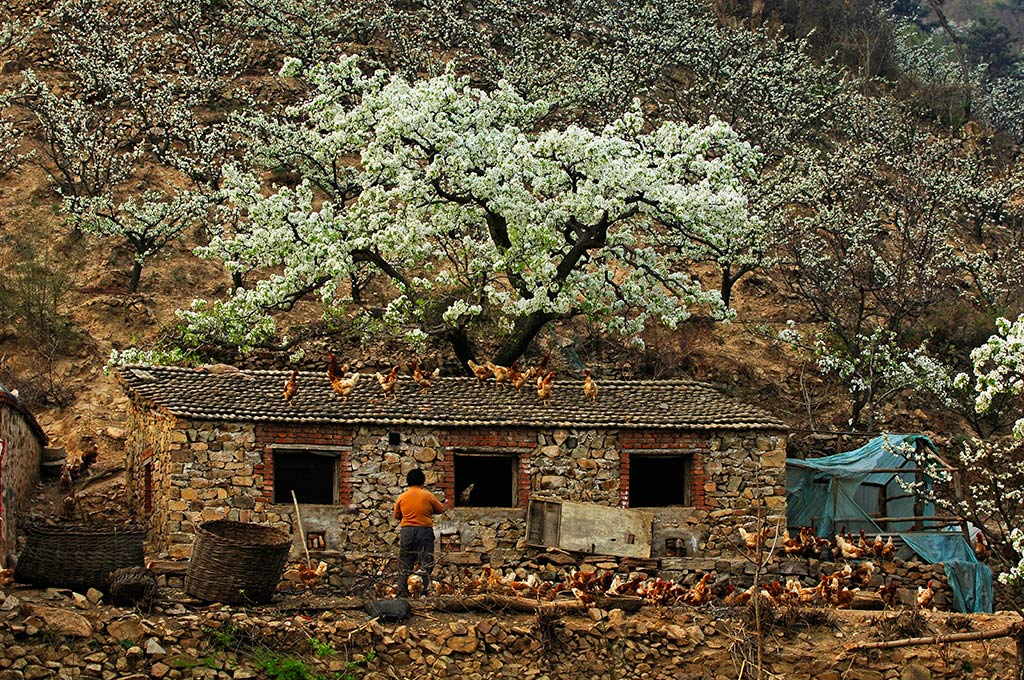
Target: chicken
[
  {"x": 415, "y": 584},
  {"x": 888, "y": 592},
  {"x": 861, "y": 574},
  {"x": 310, "y": 577},
  {"x": 540, "y": 369},
  {"x": 333, "y": 372},
  {"x": 848, "y": 549},
  {"x": 844, "y": 597},
  {"x": 466, "y": 494},
  {"x": 700, "y": 593},
  {"x": 516, "y": 377},
  {"x": 589, "y": 386},
  {"x": 6, "y": 577},
  {"x": 980, "y": 546},
  {"x": 544, "y": 387},
  {"x": 888, "y": 550},
  {"x": 65, "y": 479},
  {"x": 389, "y": 382},
  {"x": 291, "y": 387},
  {"x": 481, "y": 372},
  {"x": 925, "y": 595},
  {"x": 424, "y": 380},
  {"x": 345, "y": 386},
  {"x": 501, "y": 373},
  {"x": 738, "y": 597},
  {"x": 754, "y": 540}
]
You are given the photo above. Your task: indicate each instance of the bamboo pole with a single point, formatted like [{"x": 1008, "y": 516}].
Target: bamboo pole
[
  {"x": 302, "y": 533},
  {"x": 1008, "y": 631}
]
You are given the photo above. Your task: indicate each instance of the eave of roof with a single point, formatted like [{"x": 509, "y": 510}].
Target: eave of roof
[
  {"x": 256, "y": 396},
  {"x": 15, "y": 404}
]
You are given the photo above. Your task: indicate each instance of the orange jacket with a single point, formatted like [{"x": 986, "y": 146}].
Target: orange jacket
[{"x": 416, "y": 506}]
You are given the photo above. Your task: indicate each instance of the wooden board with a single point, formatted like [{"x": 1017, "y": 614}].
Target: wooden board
[{"x": 589, "y": 528}]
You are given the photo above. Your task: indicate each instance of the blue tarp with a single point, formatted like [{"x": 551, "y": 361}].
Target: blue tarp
[{"x": 830, "y": 491}]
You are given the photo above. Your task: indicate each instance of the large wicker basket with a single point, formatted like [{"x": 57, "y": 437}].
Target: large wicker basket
[
  {"x": 77, "y": 556},
  {"x": 236, "y": 562}
]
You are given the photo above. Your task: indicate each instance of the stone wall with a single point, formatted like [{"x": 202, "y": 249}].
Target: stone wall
[
  {"x": 21, "y": 461},
  {"x": 209, "y": 470},
  {"x": 53, "y": 639}
]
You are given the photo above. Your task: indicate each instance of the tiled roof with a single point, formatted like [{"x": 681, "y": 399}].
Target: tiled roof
[{"x": 256, "y": 396}]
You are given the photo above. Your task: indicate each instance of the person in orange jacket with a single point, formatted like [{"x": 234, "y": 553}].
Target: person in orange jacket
[{"x": 415, "y": 508}]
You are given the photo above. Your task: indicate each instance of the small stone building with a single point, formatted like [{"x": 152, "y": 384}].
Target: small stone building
[
  {"x": 203, "y": 446},
  {"x": 21, "y": 454}
]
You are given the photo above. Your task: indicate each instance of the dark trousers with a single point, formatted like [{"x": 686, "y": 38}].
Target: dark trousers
[{"x": 416, "y": 546}]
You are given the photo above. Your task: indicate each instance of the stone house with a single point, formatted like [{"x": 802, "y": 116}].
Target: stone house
[
  {"x": 204, "y": 446},
  {"x": 21, "y": 454}
]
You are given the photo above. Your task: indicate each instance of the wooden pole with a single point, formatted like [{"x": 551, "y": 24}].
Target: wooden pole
[
  {"x": 302, "y": 533},
  {"x": 1008, "y": 631}
]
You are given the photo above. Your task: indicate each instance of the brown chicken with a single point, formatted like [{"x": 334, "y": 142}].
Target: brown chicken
[
  {"x": 389, "y": 382},
  {"x": 541, "y": 368},
  {"x": 980, "y": 546},
  {"x": 589, "y": 386},
  {"x": 545, "y": 388},
  {"x": 754, "y": 539},
  {"x": 291, "y": 387},
  {"x": 888, "y": 550},
  {"x": 925, "y": 596},
  {"x": 424, "y": 380},
  {"x": 482, "y": 373},
  {"x": 310, "y": 577},
  {"x": 700, "y": 593},
  {"x": 516, "y": 377},
  {"x": 849, "y": 550},
  {"x": 345, "y": 386},
  {"x": 333, "y": 372},
  {"x": 501, "y": 373},
  {"x": 888, "y": 592},
  {"x": 6, "y": 577}
]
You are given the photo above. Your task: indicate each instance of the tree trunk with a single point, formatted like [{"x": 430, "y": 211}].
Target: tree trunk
[
  {"x": 526, "y": 329},
  {"x": 133, "y": 281},
  {"x": 461, "y": 346},
  {"x": 237, "y": 281}
]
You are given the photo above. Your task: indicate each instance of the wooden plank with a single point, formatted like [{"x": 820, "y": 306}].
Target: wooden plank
[{"x": 605, "y": 530}]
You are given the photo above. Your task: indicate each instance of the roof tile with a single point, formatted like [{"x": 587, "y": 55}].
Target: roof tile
[{"x": 256, "y": 396}]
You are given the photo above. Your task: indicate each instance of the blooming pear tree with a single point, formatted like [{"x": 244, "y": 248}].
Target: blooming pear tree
[
  {"x": 482, "y": 220},
  {"x": 992, "y": 468},
  {"x": 146, "y": 222}
]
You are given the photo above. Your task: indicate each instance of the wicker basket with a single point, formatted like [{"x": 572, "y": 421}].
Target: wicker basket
[
  {"x": 133, "y": 586},
  {"x": 236, "y": 562},
  {"x": 77, "y": 556}
]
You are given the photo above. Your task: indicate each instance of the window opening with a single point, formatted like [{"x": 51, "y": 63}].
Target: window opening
[
  {"x": 675, "y": 547},
  {"x": 315, "y": 540},
  {"x": 486, "y": 480},
  {"x": 660, "y": 481},
  {"x": 394, "y": 438},
  {"x": 311, "y": 475}
]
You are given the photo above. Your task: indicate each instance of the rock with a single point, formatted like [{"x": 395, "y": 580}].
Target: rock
[
  {"x": 94, "y": 596},
  {"x": 62, "y": 621},
  {"x": 244, "y": 674},
  {"x": 10, "y": 603},
  {"x": 913, "y": 671},
  {"x": 126, "y": 629},
  {"x": 159, "y": 670},
  {"x": 616, "y": 617},
  {"x": 80, "y": 601},
  {"x": 153, "y": 648},
  {"x": 464, "y": 644}
]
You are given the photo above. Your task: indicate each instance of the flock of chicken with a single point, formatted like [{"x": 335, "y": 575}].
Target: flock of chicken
[
  {"x": 344, "y": 384},
  {"x": 837, "y": 589}
]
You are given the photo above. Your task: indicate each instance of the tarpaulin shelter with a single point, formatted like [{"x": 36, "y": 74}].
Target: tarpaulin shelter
[{"x": 870, "y": 488}]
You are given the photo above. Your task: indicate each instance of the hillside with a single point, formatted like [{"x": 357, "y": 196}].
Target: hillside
[{"x": 68, "y": 298}]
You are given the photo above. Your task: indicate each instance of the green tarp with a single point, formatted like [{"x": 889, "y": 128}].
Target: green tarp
[{"x": 831, "y": 493}]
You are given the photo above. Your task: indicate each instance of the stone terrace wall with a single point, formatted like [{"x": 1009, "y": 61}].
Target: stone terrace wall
[
  {"x": 19, "y": 475},
  {"x": 209, "y": 470},
  {"x": 55, "y": 641}
]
